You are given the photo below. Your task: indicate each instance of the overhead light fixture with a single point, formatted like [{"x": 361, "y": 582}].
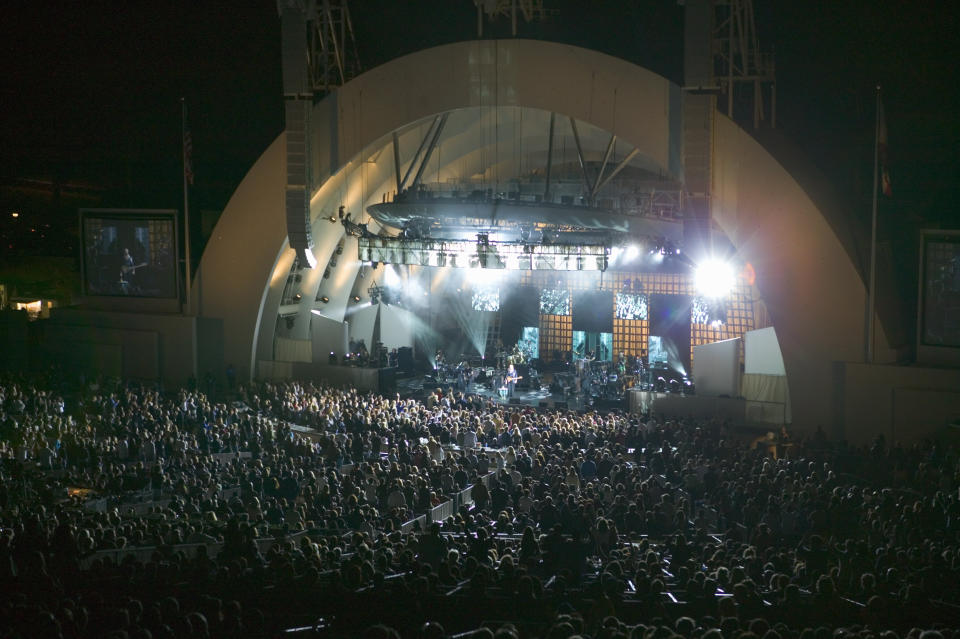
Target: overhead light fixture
[
  {"x": 714, "y": 278},
  {"x": 356, "y": 298},
  {"x": 324, "y": 299}
]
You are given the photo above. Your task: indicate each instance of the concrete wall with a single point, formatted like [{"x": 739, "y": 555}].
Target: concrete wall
[
  {"x": 904, "y": 403},
  {"x": 136, "y": 345}
]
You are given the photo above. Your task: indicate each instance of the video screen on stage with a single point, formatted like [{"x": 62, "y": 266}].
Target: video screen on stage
[
  {"x": 631, "y": 307},
  {"x": 486, "y": 299},
  {"x": 530, "y": 342},
  {"x": 129, "y": 253},
  {"x": 657, "y": 353},
  {"x": 555, "y": 301},
  {"x": 940, "y": 323}
]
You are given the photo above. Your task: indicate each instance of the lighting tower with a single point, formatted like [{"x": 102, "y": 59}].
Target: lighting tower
[
  {"x": 318, "y": 54},
  {"x": 721, "y": 58},
  {"x": 740, "y": 69}
]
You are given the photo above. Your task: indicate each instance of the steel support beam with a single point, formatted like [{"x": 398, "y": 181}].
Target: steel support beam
[
  {"x": 416, "y": 156},
  {"x": 583, "y": 166},
  {"x": 620, "y": 166},
  {"x": 396, "y": 159},
  {"x": 546, "y": 187},
  {"x": 603, "y": 165},
  {"x": 429, "y": 151}
]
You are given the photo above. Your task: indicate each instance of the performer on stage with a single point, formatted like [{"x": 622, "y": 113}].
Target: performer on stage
[{"x": 511, "y": 379}]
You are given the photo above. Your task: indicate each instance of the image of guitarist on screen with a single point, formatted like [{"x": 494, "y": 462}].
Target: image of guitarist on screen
[{"x": 128, "y": 272}]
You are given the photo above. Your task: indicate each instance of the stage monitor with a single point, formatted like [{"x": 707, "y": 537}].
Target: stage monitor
[
  {"x": 593, "y": 311},
  {"x": 129, "y": 253},
  {"x": 939, "y": 305}
]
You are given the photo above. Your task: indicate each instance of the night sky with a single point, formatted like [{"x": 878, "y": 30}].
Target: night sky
[{"x": 91, "y": 94}]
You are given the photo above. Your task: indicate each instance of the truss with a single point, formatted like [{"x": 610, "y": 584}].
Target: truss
[{"x": 740, "y": 69}]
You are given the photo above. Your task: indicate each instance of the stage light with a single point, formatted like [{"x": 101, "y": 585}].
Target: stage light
[
  {"x": 631, "y": 253},
  {"x": 14, "y": 214},
  {"x": 391, "y": 277},
  {"x": 714, "y": 278}
]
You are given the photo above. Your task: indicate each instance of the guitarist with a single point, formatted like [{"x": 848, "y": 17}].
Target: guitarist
[
  {"x": 128, "y": 269},
  {"x": 511, "y": 379}
]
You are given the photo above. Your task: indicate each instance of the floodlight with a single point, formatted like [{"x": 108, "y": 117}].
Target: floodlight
[
  {"x": 631, "y": 253},
  {"x": 715, "y": 278}
]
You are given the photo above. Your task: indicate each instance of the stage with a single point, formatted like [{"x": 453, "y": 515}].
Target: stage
[{"x": 537, "y": 395}]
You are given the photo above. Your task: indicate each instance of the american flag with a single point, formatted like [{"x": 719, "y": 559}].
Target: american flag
[
  {"x": 187, "y": 153},
  {"x": 885, "y": 186}
]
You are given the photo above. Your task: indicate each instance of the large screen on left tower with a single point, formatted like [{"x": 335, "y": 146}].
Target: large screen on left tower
[{"x": 129, "y": 253}]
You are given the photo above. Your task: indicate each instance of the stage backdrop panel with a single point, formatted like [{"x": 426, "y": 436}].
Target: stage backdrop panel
[
  {"x": 519, "y": 307},
  {"x": 362, "y": 322},
  {"x": 593, "y": 311},
  {"x": 716, "y": 368},
  {"x": 670, "y": 319},
  {"x": 395, "y": 326},
  {"x": 761, "y": 354}
]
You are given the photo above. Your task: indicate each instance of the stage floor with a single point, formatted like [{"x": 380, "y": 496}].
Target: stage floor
[
  {"x": 415, "y": 387},
  {"x": 536, "y": 397}
]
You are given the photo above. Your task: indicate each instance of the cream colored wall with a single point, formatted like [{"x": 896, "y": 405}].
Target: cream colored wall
[
  {"x": 610, "y": 93},
  {"x": 242, "y": 256},
  {"x": 812, "y": 291}
]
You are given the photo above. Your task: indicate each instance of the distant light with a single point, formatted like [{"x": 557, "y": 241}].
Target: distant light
[
  {"x": 15, "y": 214},
  {"x": 715, "y": 278}
]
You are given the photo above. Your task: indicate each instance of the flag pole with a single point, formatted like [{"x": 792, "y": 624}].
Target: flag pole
[
  {"x": 186, "y": 203},
  {"x": 872, "y": 287}
]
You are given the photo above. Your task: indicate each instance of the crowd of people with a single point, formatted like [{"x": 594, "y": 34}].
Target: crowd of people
[{"x": 304, "y": 509}]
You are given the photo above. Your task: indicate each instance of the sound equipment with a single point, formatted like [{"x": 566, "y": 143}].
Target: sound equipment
[
  {"x": 405, "y": 359},
  {"x": 387, "y": 380}
]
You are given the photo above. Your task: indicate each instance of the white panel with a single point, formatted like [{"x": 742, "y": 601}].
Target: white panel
[
  {"x": 327, "y": 335},
  {"x": 293, "y": 350},
  {"x": 761, "y": 355},
  {"x": 716, "y": 368},
  {"x": 362, "y": 321},
  {"x": 395, "y": 326}
]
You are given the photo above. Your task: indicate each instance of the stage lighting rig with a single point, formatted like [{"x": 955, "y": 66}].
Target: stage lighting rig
[{"x": 715, "y": 278}]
